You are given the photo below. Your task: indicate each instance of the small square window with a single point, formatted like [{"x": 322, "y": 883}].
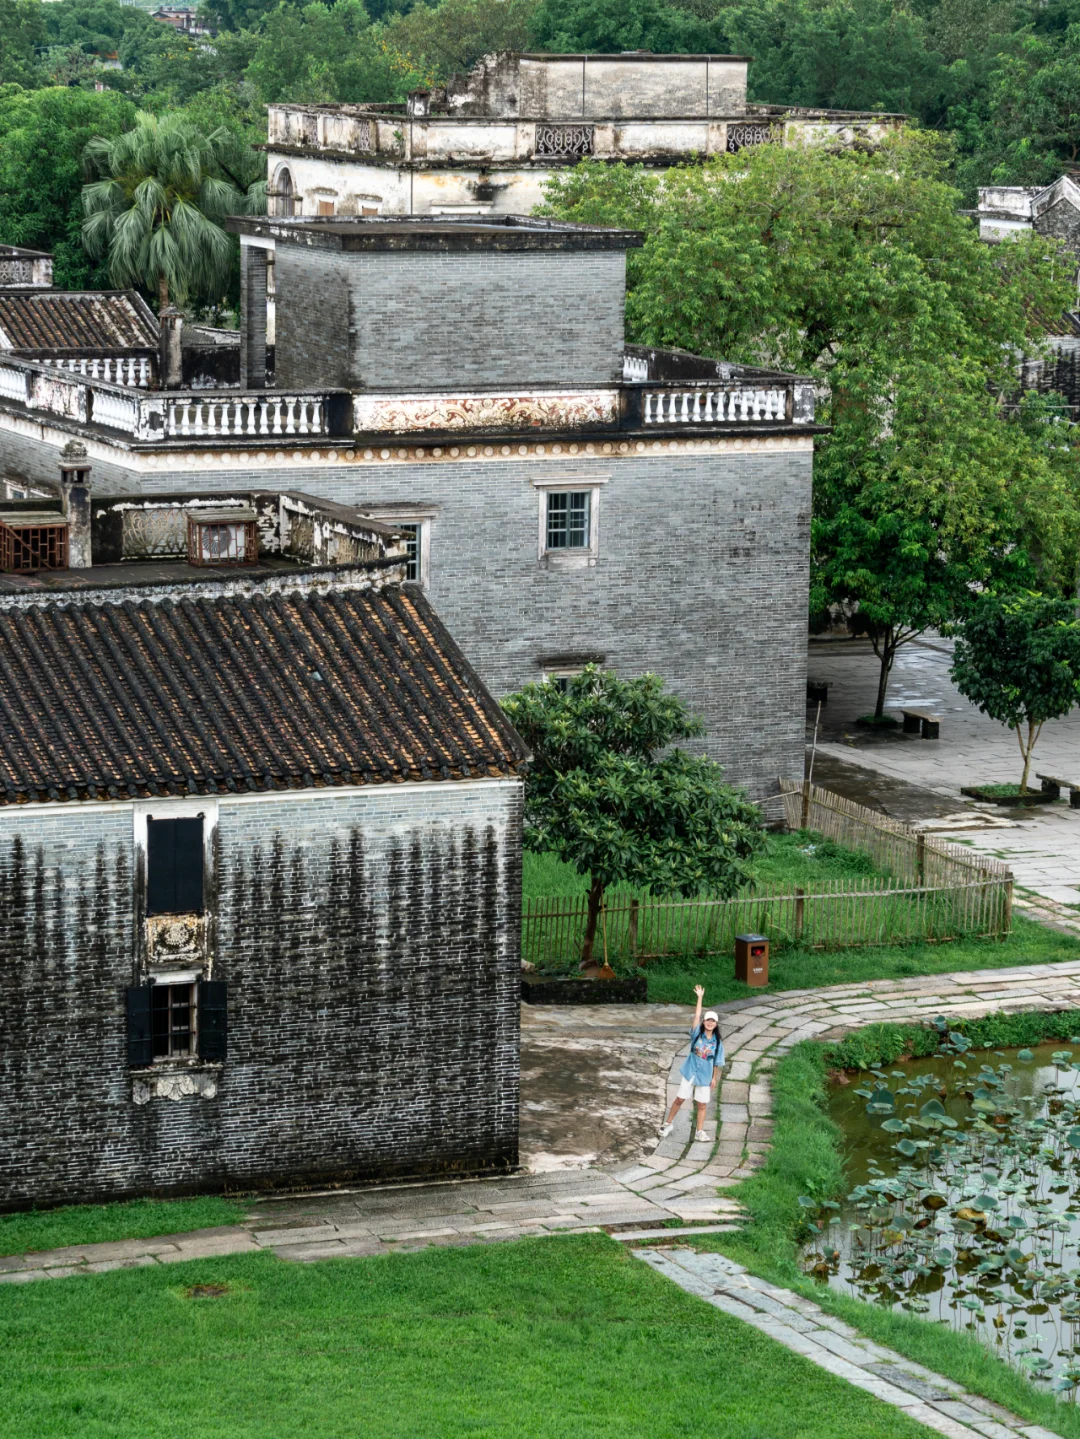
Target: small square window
[
  {"x": 561, "y": 678},
  {"x": 569, "y": 514},
  {"x": 172, "y": 1020}
]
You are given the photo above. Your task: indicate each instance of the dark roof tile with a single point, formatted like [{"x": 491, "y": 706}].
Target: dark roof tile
[{"x": 244, "y": 691}]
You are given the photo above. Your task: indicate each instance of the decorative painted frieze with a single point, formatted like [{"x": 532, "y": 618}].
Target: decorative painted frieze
[{"x": 395, "y": 414}]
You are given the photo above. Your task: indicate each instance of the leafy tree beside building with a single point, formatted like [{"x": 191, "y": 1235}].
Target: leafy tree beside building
[
  {"x": 856, "y": 268},
  {"x": 607, "y": 794}
]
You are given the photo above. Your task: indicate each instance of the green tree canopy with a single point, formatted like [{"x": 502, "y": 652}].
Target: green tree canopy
[
  {"x": 608, "y": 26},
  {"x": 430, "y": 43},
  {"x": 320, "y": 53},
  {"x": 1018, "y": 660},
  {"x": 607, "y": 795},
  {"x": 22, "y": 34},
  {"x": 42, "y": 137},
  {"x": 856, "y": 269},
  {"x": 157, "y": 205}
]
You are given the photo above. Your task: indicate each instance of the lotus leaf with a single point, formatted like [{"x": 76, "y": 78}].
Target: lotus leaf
[
  {"x": 807, "y": 1202},
  {"x": 880, "y": 1213},
  {"x": 907, "y": 1148},
  {"x": 1025, "y": 1056},
  {"x": 896, "y": 1126}
]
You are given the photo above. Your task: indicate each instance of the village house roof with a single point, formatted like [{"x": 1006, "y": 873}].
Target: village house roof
[
  {"x": 75, "y": 320},
  {"x": 291, "y": 682}
]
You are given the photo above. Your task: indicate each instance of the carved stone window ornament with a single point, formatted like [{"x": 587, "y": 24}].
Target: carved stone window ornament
[
  {"x": 567, "y": 142},
  {"x": 739, "y": 137}
]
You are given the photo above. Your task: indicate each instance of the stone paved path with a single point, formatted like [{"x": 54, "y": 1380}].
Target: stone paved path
[
  {"x": 804, "y": 1327},
  {"x": 1043, "y": 850}
]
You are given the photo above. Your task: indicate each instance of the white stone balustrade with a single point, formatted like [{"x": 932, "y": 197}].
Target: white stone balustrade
[
  {"x": 13, "y": 383},
  {"x": 269, "y": 414},
  {"x": 635, "y": 368},
  {"x": 701, "y": 406},
  {"x": 114, "y": 410},
  {"x": 133, "y": 370}
]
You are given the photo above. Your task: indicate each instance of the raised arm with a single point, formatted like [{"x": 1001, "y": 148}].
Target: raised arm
[{"x": 700, "y": 992}]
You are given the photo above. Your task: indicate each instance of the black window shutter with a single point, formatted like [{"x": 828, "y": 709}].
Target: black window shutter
[
  {"x": 174, "y": 866},
  {"x": 212, "y": 1019},
  {"x": 140, "y": 1039}
]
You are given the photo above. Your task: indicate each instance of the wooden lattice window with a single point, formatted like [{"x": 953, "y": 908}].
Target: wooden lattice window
[
  {"x": 28, "y": 547},
  {"x": 224, "y": 538}
]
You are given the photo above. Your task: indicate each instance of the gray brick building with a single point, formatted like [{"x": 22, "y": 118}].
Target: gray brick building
[
  {"x": 566, "y": 498},
  {"x": 259, "y": 865}
]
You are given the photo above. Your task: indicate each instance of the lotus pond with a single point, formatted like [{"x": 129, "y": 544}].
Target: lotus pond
[{"x": 965, "y": 1205}]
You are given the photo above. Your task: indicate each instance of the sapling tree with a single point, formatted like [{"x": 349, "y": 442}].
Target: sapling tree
[
  {"x": 608, "y": 795},
  {"x": 1018, "y": 660}
]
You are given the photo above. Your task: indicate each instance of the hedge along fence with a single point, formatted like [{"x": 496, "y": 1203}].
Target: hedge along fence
[{"x": 933, "y": 891}]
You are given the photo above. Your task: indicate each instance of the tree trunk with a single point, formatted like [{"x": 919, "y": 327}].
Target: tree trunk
[
  {"x": 596, "y": 895},
  {"x": 1026, "y": 749},
  {"x": 886, "y": 654},
  {"x": 162, "y": 292}
]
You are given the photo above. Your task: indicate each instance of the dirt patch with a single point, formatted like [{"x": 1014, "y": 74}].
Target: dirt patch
[{"x": 206, "y": 1291}]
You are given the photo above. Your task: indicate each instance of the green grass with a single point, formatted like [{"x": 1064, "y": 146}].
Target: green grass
[
  {"x": 568, "y": 1338},
  {"x": 783, "y": 864},
  {"x": 96, "y": 1223},
  {"x": 673, "y": 980},
  {"x": 807, "y": 1158}
]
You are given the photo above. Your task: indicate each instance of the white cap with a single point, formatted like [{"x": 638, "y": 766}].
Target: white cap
[{"x": 712, "y": 1014}]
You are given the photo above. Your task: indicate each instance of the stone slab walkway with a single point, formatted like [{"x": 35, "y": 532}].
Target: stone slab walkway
[
  {"x": 804, "y": 1327},
  {"x": 1043, "y": 850}
]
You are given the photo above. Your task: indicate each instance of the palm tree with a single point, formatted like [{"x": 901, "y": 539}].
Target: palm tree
[{"x": 156, "y": 207}]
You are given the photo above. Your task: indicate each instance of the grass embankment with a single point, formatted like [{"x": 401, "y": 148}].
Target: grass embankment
[
  {"x": 807, "y": 1158},
  {"x": 566, "y": 1338},
  {"x": 98, "y": 1223}
]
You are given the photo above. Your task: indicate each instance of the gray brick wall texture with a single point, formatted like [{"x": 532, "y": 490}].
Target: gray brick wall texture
[
  {"x": 371, "y": 945},
  {"x": 394, "y": 321},
  {"x": 701, "y": 575}
]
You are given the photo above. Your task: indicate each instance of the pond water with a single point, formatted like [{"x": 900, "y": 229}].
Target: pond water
[{"x": 965, "y": 1198}]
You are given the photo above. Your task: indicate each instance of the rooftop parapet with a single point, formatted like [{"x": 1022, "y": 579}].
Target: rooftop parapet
[
  {"x": 25, "y": 269},
  {"x": 722, "y": 397}
]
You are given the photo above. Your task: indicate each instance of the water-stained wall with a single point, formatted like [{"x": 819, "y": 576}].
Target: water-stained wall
[{"x": 370, "y": 943}]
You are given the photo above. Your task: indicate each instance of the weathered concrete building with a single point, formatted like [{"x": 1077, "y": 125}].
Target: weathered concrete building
[
  {"x": 259, "y": 856},
  {"x": 1006, "y": 212},
  {"x": 488, "y": 142},
  {"x": 566, "y": 498}
]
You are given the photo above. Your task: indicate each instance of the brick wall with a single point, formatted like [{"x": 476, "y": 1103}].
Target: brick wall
[
  {"x": 701, "y": 576},
  {"x": 396, "y": 321},
  {"x": 371, "y": 944}
]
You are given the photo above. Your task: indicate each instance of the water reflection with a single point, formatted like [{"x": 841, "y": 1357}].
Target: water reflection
[{"x": 966, "y": 1199}]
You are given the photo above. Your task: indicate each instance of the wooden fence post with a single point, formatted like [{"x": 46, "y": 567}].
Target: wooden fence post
[
  {"x": 920, "y": 860},
  {"x": 634, "y": 906},
  {"x": 800, "y": 908},
  {"x": 1008, "y": 904},
  {"x": 804, "y": 822}
]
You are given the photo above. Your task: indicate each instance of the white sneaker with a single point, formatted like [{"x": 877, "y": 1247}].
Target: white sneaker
[
  {"x": 665, "y": 1130},
  {"x": 700, "y": 1135}
]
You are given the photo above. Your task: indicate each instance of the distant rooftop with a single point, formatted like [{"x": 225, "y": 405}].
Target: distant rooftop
[
  {"x": 43, "y": 319},
  {"x": 442, "y": 232}
]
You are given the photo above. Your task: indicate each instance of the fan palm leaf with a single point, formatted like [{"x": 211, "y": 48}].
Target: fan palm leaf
[{"x": 155, "y": 201}]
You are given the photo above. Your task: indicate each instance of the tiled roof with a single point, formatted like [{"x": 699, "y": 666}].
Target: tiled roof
[
  {"x": 73, "y": 320},
  {"x": 205, "y": 694}
]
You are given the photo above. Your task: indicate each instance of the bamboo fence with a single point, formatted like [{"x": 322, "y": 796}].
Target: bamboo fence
[{"x": 932, "y": 891}]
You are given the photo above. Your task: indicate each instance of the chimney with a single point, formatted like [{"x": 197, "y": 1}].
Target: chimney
[
  {"x": 75, "y": 499},
  {"x": 171, "y": 322}
]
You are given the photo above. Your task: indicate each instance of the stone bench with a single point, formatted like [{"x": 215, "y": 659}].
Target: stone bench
[
  {"x": 1052, "y": 785},
  {"x": 914, "y": 720}
]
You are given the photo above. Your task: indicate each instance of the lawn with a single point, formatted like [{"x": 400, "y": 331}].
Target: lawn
[
  {"x": 96, "y": 1223},
  {"x": 787, "y": 860},
  {"x": 550, "y": 1339},
  {"x": 673, "y": 980}
]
